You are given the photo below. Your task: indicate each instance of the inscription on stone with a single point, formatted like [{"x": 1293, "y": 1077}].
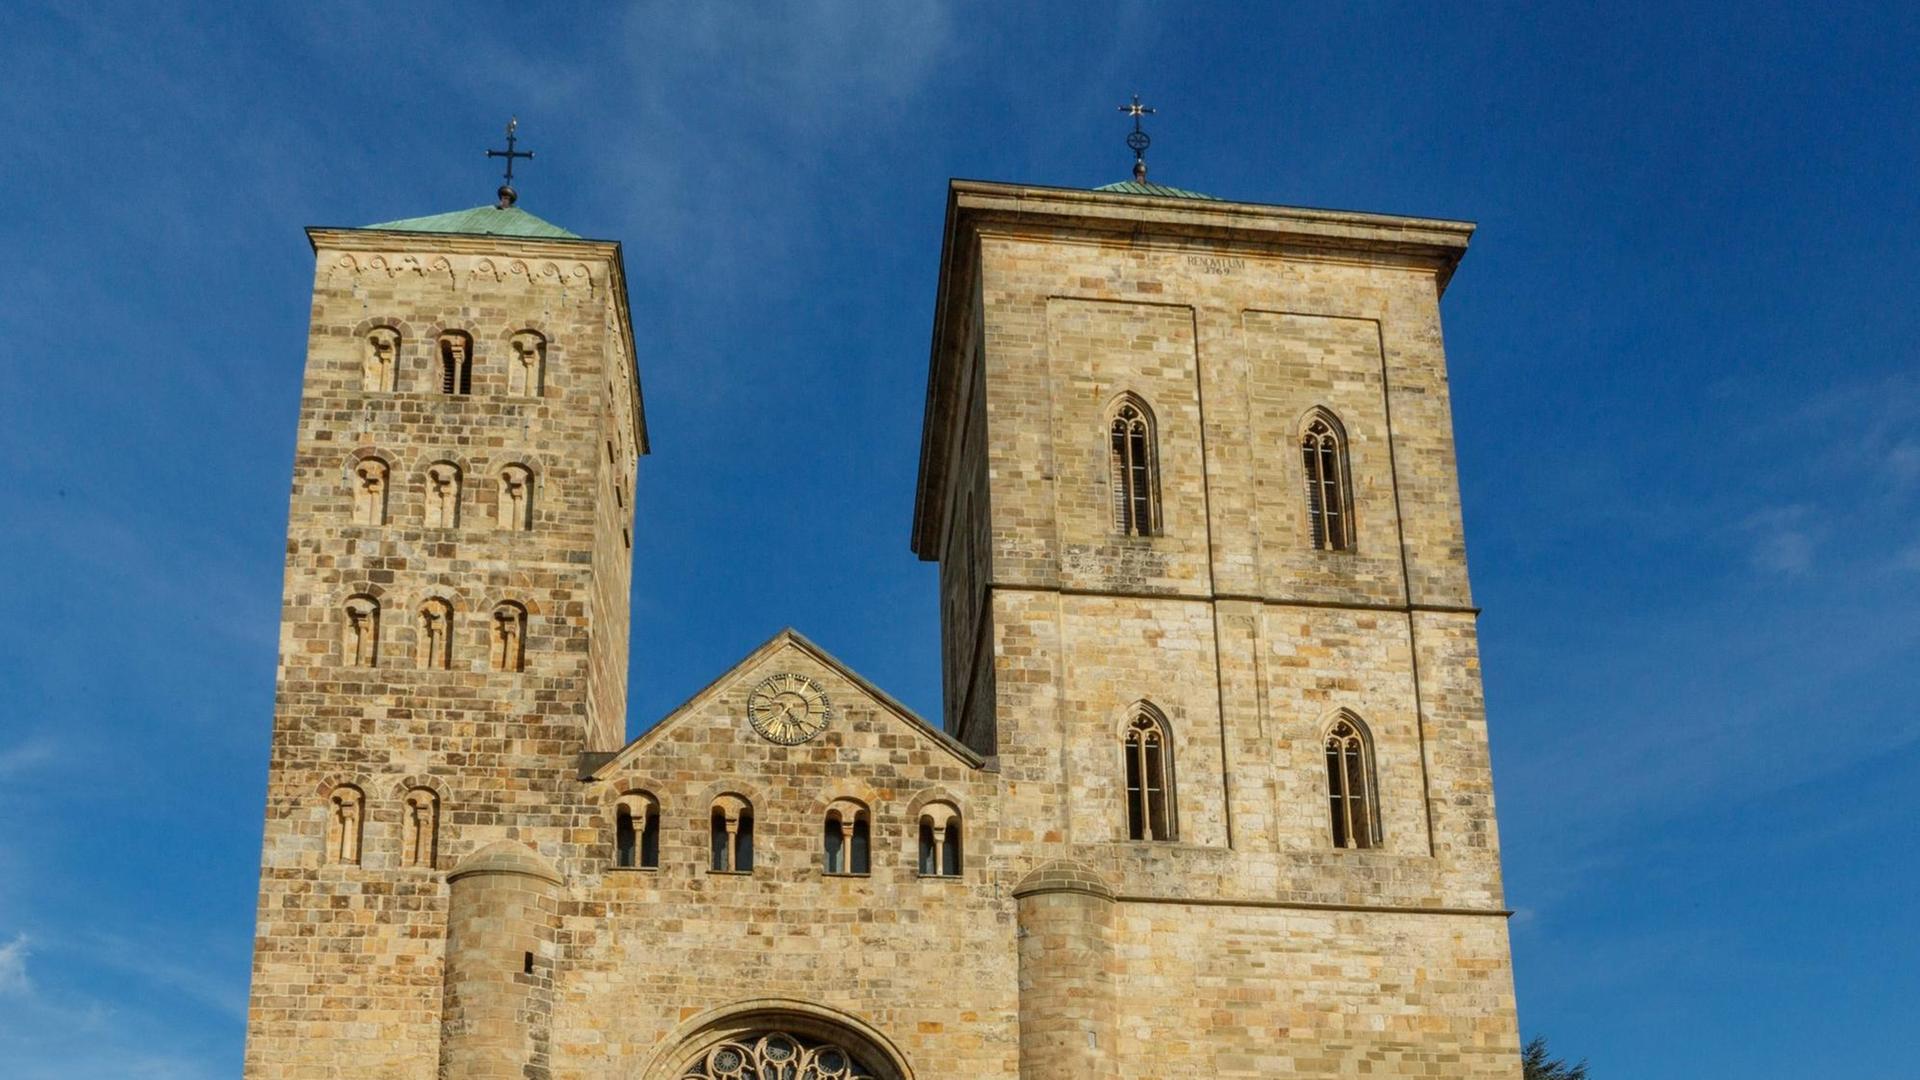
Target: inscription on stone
[{"x": 1216, "y": 264}]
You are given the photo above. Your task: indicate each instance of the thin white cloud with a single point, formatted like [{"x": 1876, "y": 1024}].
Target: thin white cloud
[
  {"x": 13, "y": 967},
  {"x": 24, "y": 756}
]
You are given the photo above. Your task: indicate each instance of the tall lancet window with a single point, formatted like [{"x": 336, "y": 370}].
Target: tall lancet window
[
  {"x": 1323, "y": 453},
  {"x": 456, "y": 363},
  {"x": 1149, "y": 774},
  {"x": 1350, "y": 801},
  {"x": 1131, "y": 470}
]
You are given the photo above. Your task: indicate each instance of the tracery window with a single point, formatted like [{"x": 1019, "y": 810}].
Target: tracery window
[
  {"x": 777, "y": 1055},
  {"x": 420, "y": 828},
  {"x": 732, "y": 835},
  {"x": 434, "y": 637},
  {"x": 1131, "y": 469},
  {"x": 1323, "y": 454},
  {"x": 346, "y": 807},
  {"x": 456, "y": 363},
  {"x": 360, "y": 641},
  {"x": 847, "y": 840},
  {"x": 1149, "y": 770},
  {"x": 1350, "y": 795},
  {"x": 370, "y": 491},
  {"x": 940, "y": 854},
  {"x": 636, "y": 840},
  {"x": 507, "y": 650}
]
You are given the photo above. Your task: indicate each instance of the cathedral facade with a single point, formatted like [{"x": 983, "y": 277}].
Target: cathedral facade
[{"x": 1210, "y": 794}]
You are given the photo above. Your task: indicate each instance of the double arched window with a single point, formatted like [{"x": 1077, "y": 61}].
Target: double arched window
[
  {"x": 1323, "y": 456},
  {"x": 1149, "y": 773},
  {"x": 1132, "y": 471},
  {"x": 847, "y": 839},
  {"x": 940, "y": 854},
  {"x": 1350, "y": 790},
  {"x": 636, "y": 832},
  {"x": 731, "y": 835}
]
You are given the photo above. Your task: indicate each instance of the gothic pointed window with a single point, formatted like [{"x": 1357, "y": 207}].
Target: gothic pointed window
[
  {"x": 1131, "y": 469},
  {"x": 434, "y": 635},
  {"x": 1149, "y": 776},
  {"x": 516, "y": 498},
  {"x": 507, "y": 649},
  {"x": 1323, "y": 456},
  {"x": 360, "y": 630},
  {"x": 636, "y": 843},
  {"x": 380, "y": 358},
  {"x": 731, "y": 835},
  {"x": 846, "y": 839},
  {"x": 1350, "y": 795},
  {"x": 940, "y": 854},
  {"x": 456, "y": 363},
  {"x": 346, "y": 807},
  {"x": 420, "y": 828},
  {"x": 370, "y": 491},
  {"x": 527, "y": 369}
]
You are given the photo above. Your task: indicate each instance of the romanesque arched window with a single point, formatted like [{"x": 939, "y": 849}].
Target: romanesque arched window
[
  {"x": 779, "y": 1054},
  {"x": 370, "y": 483},
  {"x": 732, "y": 835},
  {"x": 346, "y": 810},
  {"x": 847, "y": 839},
  {"x": 516, "y": 498},
  {"x": 420, "y": 828},
  {"x": 1149, "y": 772},
  {"x": 443, "y": 495},
  {"x": 940, "y": 854},
  {"x": 360, "y": 632},
  {"x": 434, "y": 635},
  {"x": 1323, "y": 455},
  {"x": 1350, "y": 795},
  {"x": 380, "y": 359},
  {"x": 527, "y": 370},
  {"x": 507, "y": 637},
  {"x": 1131, "y": 468},
  {"x": 456, "y": 363},
  {"x": 636, "y": 832}
]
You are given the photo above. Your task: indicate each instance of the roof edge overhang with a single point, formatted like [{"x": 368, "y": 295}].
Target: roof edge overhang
[
  {"x": 328, "y": 236},
  {"x": 976, "y": 207}
]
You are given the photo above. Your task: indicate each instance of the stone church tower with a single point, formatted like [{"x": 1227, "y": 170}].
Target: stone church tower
[{"x": 1211, "y": 794}]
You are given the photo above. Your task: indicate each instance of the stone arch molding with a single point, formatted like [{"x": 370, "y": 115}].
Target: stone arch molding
[{"x": 682, "y": 1052}]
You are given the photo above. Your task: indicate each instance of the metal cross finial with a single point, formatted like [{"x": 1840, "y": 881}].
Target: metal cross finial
[
  {"x": 1138, "y": 141},
  {"x": 507, "y": 194}
]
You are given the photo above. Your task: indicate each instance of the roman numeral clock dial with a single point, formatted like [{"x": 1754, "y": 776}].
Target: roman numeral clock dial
[{"x": 788, "y": 709}]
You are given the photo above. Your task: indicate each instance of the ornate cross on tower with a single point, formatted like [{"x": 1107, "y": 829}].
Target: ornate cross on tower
[
  {"x": 507, "y": 194},
  {"x": 1138, "y": 141}
]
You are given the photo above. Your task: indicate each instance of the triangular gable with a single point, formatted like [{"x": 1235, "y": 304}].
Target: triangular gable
[{"x": 783, "y": 639}]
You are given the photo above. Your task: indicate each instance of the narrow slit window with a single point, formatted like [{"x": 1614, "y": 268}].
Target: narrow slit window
[{"x": 456, "y": 364}]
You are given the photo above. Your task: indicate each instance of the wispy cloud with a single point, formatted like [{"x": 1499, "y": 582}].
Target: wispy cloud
[{"x": 13, "y": 966}]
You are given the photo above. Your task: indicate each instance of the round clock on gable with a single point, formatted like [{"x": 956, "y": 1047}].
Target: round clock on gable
[{"x": 788, "y": 709}]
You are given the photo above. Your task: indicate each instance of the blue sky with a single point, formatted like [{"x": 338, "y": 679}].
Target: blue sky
[{"x": 1686, "y": 397}]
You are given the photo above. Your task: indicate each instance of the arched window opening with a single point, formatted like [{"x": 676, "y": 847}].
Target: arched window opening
[
  {"x": 420, "y": 830},
  {"x": 370, "y": 492},
  {"x": 443, "y": 495},
  {"x": 508, "y": 638},
  {"x": 637, "y": 833},
  {"x": 516, "y": 498},
  {"x": 1130, "y": 469},
  {"x": 435, "y": 635},
  {"x": 346, "y": 808},
  {"x": 940, "y": 841},
  {"x": 776, "y": 1054},
  {"x": 456, "y": 363},
  {"x": 381, "y": 357},
  {"x": 1350, "y": 796},
  {"x": 1149, "y": 778},
  {"x": 360, "y": 644},
  {"x": 1323, "y": 455},
  {"x": 527, "y": 374},
  {"x": 732, "y": 836},
  {"x": 846, "y": 839}
]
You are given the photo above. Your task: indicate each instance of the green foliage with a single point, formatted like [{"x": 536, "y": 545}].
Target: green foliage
[{"x": 1539, "y": 1067}]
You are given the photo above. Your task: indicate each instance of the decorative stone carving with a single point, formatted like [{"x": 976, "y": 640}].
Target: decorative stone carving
[
  {"x": 516, "y": 498},
  {"x": 443, "y": 495},
  {"x": 509, "y": 635},
  {"x": 370, "y": 492},
  {"x": 381, "y": 360},
  {"x": 345, "y": 806},
  {"x": 527, "y": 372},
  {"x": 362, "y": 643}
]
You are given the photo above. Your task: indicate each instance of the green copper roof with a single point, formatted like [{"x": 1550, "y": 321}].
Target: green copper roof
[
  {"x": 1142, "y": 187},
  {"x": 481, "y": 221}
]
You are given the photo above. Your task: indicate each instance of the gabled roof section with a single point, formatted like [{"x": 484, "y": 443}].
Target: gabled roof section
[
  {"x": 783, "y": 639},
  {"x": 1144, "y": 187},
  {"x": 480, "y": 221}
]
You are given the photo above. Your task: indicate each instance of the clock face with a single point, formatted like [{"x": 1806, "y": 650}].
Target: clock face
[{"x": 788, "y": 709}]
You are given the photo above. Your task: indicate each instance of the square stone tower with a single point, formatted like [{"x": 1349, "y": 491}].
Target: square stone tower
[
  {"x": 454, "y": 631},
  {"x": 1188, "y": 471}
]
